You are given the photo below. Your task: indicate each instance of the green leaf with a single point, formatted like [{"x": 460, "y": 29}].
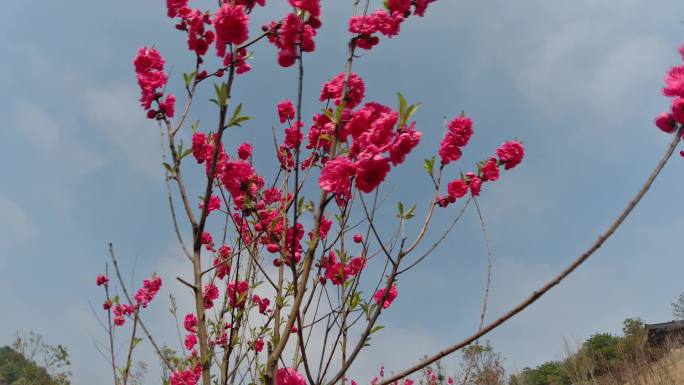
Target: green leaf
[
  {"x": 400, "y": 210},
  {"x": 188, "y": 78},
  {"x": 221, "y": 95},
  {"x": 402, "y": 105},
  {"x": 429, "y": 166},
  {"x": 410, "y": 213},
  {"x": 186, "y": 153},
  {"x": 412, "y": 110},
  {"x": 339, "y": 111},
  {"x": 136, "y": 341},
  {"x": 169, "y": 168},
  {"x": 376, "y": 329}
]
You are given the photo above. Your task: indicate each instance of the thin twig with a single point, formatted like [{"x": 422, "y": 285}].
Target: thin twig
[{"x": 557, "y": 279}]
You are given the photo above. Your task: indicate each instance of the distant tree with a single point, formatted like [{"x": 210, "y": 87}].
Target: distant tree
[
  {"x": 678, "y": 308},
  {"x": 482, "y": 366},
  {"x": 548, "y": 373},
  {"x": 30, "y": 360}
]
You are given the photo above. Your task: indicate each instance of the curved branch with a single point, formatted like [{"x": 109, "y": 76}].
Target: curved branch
[{"x": 557, "y": 279}]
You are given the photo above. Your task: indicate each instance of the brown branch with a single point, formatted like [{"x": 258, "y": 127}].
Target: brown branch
[{"x": 557, "y": 279}]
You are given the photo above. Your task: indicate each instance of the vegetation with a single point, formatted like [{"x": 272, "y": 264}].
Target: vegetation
[{"x": 31, "y": 361}]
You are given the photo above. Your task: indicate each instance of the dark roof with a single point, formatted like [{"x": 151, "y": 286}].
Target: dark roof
[{"x": 672, "y": 325}]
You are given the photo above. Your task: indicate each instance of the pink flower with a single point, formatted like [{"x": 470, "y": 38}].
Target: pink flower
[
  {"x": 285, "y": 110},
  {"x": 358, "y": 238},
  {"x": 371, "y": 172},
  {"x": 378, "y": 21},
  {"x": 146, "y": 293},
  {"x": 674, "y": 82},
  {"x": 190, "y": 323},
  {"x": 335, "y": 175},
  {"x": 457, "y": 188},
  {"x": 175, "y": 6},
  {"x": 475, "y": 186},
  {"x": 403, "y": 144},
  {"x": 102, "y": 280},
  {"x": 237, "y": 293},
  {"x": 421, "y": 6},
  {"x": 293, "y": 32},
  {"x": 666, "y": 122},
  {"x": 511, "y": 153},
  {"x": 311, "y": 6},
  {"x": 678, "y": 110},
  {"x": 199, "y": 38},
  {"x": 149, "y": 70},
  {"x": 210, "y": 293},
  {"x": 244, "y": 151},
  {"x": 168, "y": 106},
  {"x": 401, "y": 6},
  {"x": 189, "y": 376},
  {"x": 190, "y": 341},
  {"x": 334, "y": 89},
  {"x": 207, "y": 240},
  {"x": 201, "y": 149},
  {"x": 460, "y": 130},
  {"x": 289, "y": 376},
  {"x": 259, "y": 345},
  {"x": 214, "y": 204},
  {"x": 231, "y": 24},
  {"x": 490, "y": 170},
  {"x": 294, "y": 135},
  {"x": 391, "y": 296}
]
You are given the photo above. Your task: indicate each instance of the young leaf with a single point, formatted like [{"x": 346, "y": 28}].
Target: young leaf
[{"x": 429, "y": 166}]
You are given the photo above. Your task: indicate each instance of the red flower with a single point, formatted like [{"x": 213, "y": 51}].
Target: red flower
[
  {"x": 285, "y": 110},
  {"x": 457, "y": 188},
  {"x": 678, "y": 110},
  {"x": 460, "y": 130},
  {"x": 475, "y": 186},
  {"x": 391, "y": 296},
  {"x": 666, "y": 122},
  {"x": 244, "y": 151},
  {"x": 335, "y": 175},
  {"x": 102, "y": 280},
  {"x": 289, "y": 376},
  {"x": 403, "y": 144},
  {"x": 674, "y": 82},
  {"x": 490, "y": 170},
  {"x": 511, "y": 153},
  {"x": 371, "y": 172},
  {"x": 334, "y": 89},
  {"x": 174, "y": 7},
  {"x": 231, "y": 24}
]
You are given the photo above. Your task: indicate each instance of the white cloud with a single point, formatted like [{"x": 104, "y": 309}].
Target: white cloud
[
  {"x": 16, "y": 227},
  {"x": 116, "y": 113}
]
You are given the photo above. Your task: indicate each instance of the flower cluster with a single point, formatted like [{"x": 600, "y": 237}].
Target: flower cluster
[
  {"x": 189, "y": 376},
  {"x": 386, "y": 22},
  {"x": 120, "y": 311},
  {"x": 237, "y": 293},
  {"x": 669, "y": 122},
  {"x": 386, "y": 299},
  {"x": 149, "y": 70},
  {"x": 232, "y": 27},
  {"x": 296, "y": 30},
  {"x": 339, "y": 271},
  {"x": 146, "y": 293},
  {"x": 289, "y": 376},
  {"x": 378, "y": 139},
  {"x": 459, "y": 131},
  {"x": 102, "y": 280}
]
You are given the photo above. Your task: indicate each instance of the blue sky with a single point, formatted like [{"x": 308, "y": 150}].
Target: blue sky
[{"x": 578, "y": 81}]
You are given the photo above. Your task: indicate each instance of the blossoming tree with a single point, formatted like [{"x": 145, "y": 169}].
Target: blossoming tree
[{"x": 282, "y": 293}]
